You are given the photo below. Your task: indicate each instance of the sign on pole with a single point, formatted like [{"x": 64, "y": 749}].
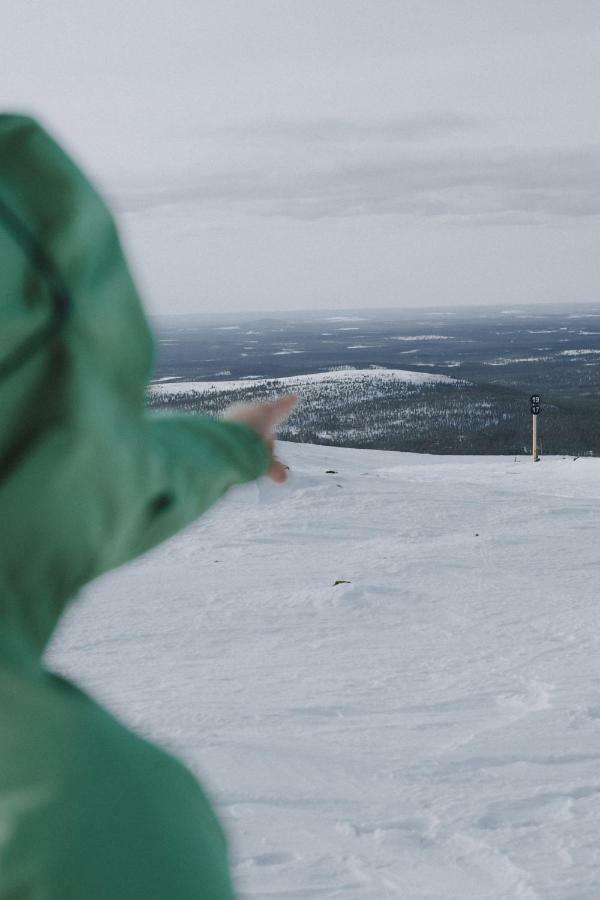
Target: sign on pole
[{"x": 535, "y": 411}]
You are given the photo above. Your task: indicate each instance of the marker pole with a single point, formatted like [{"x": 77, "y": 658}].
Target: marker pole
[{"x": 535, "y": 408}]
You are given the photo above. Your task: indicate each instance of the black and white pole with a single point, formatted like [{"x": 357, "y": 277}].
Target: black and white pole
[{"x": 535, "y": 410}]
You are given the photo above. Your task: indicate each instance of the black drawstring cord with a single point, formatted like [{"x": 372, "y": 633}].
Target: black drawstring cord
[{"x": 61, "y": 298}]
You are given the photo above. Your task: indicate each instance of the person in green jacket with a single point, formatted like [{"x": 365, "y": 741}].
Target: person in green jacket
[{"x": 89, "y": 479}]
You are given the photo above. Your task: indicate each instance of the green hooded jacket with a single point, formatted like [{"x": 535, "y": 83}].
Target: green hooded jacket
[{"x": 88, "y": 480}]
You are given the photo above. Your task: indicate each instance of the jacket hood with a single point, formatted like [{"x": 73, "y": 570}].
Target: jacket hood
[{"x": 74, "y": 346}]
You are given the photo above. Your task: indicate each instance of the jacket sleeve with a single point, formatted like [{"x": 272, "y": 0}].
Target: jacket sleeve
[{"x": 186, "y": 463}]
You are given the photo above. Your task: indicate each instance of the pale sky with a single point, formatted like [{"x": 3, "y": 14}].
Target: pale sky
[{"x": 322, "y": 154}]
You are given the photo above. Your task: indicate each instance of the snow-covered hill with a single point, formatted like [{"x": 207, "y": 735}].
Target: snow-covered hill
[
  {"x": 346, "y": 376},
  {"x": 373, "y": 408},
  {"x": 429, "y": 727}
]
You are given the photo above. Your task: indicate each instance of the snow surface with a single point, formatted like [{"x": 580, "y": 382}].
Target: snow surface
[
  {"x": 297, "y": 381},
  {"x": 507, "y": 361},
  {"x": 422, "y": 337},
  {"x": 578, "y": 352},
  {"x": 430, "y": 729},
  {"x": 345, "y": 319}
]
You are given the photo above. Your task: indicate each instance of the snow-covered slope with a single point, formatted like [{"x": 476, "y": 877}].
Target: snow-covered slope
[{"x": 430, "y": 729}]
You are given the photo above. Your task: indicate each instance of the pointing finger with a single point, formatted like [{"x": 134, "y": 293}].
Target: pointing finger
[{"x": 275, "y": 411}]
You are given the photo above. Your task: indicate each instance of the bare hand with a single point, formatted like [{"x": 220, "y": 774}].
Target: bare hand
[{"x": 264, "y": 417}]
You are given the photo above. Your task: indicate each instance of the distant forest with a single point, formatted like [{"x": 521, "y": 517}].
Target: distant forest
[{"x": 369, "y": 412}]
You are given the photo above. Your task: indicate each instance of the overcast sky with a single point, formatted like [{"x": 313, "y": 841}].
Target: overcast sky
[{"x": 320, "y": 154}]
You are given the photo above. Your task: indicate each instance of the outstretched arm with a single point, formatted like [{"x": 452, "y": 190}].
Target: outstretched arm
[{"x": 190, "y": 461}]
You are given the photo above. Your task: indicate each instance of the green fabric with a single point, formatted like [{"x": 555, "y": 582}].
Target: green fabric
[{"x": 88, "y": 480}]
